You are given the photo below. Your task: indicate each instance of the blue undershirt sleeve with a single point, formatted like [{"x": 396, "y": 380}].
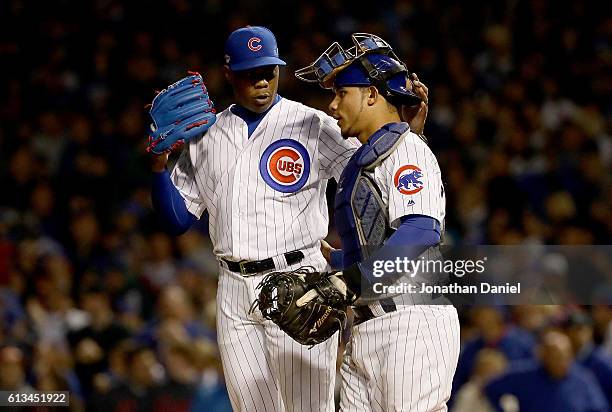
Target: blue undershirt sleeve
[
  {"x": 170, "y": 205},
  {"x": 417, "y": 232}
]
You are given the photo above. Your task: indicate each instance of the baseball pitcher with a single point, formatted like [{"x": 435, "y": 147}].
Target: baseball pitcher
[{"x": 260, "y": 168}]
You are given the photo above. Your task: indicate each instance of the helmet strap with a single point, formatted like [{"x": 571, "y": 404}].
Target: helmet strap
[{"x": 379, "y": 80}]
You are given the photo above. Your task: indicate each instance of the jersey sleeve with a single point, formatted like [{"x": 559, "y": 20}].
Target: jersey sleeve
[
  {"x": 411, "y": 182},
  {"x": 184, "y": 179},
  {"x": 334, "y": 150}
]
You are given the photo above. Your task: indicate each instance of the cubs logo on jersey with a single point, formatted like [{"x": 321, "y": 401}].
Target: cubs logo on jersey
[
  {"x": 407, "y": 180},
  {"x": 285, "y": 165}
]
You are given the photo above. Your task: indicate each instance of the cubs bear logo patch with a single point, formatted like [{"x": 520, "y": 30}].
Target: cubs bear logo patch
[{"x": 407, "y": 180}]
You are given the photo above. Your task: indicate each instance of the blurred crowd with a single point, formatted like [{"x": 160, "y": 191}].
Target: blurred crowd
[
  {"x": 96, "y": 299},
  {"x": 538, "y": 357}
]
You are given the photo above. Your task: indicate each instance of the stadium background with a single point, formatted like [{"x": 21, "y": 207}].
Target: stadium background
[{"x": 96, "y": 299}]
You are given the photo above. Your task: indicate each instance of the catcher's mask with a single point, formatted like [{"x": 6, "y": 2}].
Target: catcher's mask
[{"x": 369, "y": 62}]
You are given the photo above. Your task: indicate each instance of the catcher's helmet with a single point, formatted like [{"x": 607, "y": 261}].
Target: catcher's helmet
[
  {"x": 387, "y": 74},
  {"x": 369, "y": 62}
]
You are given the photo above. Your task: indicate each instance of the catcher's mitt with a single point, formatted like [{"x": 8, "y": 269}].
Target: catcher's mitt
[
  {"x": 180, "y": 112},
  {"x": 290, "y": 300}
]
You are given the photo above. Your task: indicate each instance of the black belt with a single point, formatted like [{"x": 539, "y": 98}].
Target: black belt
[
  {"x": 255, "y": 266},
  {"x": 364, "y": 313}
]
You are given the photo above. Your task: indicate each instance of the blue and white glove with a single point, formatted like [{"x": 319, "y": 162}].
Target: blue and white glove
[{"x": 180, "y": 112}]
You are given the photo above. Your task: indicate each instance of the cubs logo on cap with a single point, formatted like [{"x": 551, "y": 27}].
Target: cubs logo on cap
[
  {"x": 250, "y": 47},
  {"x": 253, "y": 44},
  {"x": 407, "y": 180},
  {"x": 285, "y": 165}
]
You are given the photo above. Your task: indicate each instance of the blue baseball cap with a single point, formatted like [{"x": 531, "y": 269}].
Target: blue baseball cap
[{"x": 250, "y": 47}]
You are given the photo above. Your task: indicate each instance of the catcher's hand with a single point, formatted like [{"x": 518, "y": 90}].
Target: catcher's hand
[
  {"x": 303, "y": 304},
  {"x": 180, "y": 112}
]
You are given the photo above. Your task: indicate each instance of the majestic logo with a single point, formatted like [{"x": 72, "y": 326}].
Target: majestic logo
[
  {"x": 285, "y": 165},
  {"x": 407, "y": 180},
  {"x": 251, "y": 44}
]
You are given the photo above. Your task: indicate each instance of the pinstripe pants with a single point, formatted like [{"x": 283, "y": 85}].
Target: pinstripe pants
[
  {"x": 401, "y": 361},
  {"x": 266, "y": 370}
]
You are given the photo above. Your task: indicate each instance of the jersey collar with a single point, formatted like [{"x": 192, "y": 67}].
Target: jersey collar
[{"x": 249, "y": 116}]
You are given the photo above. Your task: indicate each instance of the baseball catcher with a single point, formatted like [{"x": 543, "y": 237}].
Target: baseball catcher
[{"x": 307, "y": 305}]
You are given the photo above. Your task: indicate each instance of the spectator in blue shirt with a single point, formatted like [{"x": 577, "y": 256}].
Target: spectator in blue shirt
[
  {"x": 555, "y": 384},
  {"x": 513, "y": 343},
  {"x": 579, "y": 328}
]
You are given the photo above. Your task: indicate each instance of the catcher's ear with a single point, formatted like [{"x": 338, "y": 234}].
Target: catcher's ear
[{"x": 372, "y": 95}]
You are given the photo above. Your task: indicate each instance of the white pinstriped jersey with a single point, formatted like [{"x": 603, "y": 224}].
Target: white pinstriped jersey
[
  {"x": 265, "y": 194},
  {"x": 404, "y": 360},
  {"x": 411, "y": 182}
]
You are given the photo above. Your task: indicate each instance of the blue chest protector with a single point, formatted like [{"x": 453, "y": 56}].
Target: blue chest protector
[{"x": 361, "y": 216}]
